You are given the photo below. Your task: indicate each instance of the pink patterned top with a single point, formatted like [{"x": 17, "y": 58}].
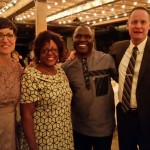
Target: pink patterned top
[{"x": 10, "y": 84}]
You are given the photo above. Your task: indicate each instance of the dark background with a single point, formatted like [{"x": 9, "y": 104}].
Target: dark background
[{"x": 104, "y": 35}]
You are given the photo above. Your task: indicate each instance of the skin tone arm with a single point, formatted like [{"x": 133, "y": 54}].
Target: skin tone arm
[
  {"x": 72, "y": 55},
  {"x": 27, "y": 111}
]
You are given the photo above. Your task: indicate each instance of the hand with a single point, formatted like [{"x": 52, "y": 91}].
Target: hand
[{"x": 72, "y": 55}]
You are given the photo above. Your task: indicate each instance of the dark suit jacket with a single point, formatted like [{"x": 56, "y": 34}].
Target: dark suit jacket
[{"x": 143, "y": 86}]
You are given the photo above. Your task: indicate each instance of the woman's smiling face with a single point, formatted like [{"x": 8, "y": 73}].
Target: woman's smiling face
[
  {"x": 7, "y": 41},
  {"x": 49, "y": 54}
]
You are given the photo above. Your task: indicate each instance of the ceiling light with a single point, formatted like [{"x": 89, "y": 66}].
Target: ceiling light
[
  {"x": 100, "y": 20},
  {"x": 95, "y": 14},
  {"x": 123, "y": 6},
  {"x": 56, "y": 3},
  {"x": 49, "y": 7},
  {"x": 77, "y": 9}
]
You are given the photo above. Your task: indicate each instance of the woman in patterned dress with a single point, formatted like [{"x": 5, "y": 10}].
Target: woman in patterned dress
[
  {"x": 10, "y": 73},
  {"x": 46, "y": 98}
]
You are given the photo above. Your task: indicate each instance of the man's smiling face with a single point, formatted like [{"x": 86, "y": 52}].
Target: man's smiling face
[{"x": 83, "y": 41}]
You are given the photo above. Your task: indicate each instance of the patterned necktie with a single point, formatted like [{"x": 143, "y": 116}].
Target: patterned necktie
[
  {"x": 86, "y": 73},
  {"x": 126, "y": 96}
]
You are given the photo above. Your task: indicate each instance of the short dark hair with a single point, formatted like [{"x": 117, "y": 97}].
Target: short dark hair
[
  {"x": 82, "y": 26},
  {"x": 139, "y": 8},
  {"x": 44, "y": 37},
  {"x": 6, "y": 23}
]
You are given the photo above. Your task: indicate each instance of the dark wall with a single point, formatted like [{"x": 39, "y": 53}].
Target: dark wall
[
  {"x": 25, "y": 36},
  {"x": 106, "y": 37}
]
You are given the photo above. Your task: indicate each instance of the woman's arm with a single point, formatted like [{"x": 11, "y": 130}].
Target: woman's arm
[{"x": 26, "y": 111}]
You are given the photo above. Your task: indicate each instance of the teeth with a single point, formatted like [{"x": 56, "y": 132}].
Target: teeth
[
  {"x": 5, "y": 46},
  {"x": 82, "y": 45},
  {"x": 51, "y": 58}
]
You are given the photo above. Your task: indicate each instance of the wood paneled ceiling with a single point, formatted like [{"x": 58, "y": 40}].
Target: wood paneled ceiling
[{"x": 71, "y": 12}]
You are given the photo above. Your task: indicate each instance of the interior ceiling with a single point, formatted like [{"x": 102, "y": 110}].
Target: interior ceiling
[{"x": 102, "y": 12}]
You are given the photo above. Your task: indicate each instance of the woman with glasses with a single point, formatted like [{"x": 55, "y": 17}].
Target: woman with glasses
[
  {"x": 46, "y": 98},
  {"x": 10, "y": 73}
]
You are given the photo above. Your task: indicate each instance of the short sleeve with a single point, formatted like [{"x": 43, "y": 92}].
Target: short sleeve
[{"x": 29, "y": 88}]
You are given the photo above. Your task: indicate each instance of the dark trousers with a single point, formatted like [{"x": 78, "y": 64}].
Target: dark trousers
[
  {"x": 83, "y": 142},
  {"x": 129, "y": 131}
]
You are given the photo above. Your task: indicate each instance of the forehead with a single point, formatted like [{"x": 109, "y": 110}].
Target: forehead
[
  {"x": 83, "y": 31},
  {"x": 50, "y": 43},
  {"x": 139, "y": 14},
  {"x": 6, "y": 30}
]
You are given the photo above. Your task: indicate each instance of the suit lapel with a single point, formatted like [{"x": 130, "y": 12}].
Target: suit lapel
[{"x": 145, "y": 60}]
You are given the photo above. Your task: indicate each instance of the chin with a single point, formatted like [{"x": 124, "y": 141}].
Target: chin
[
  {"x": 83, "y": 51},
  {"x": 51, "y": 64}
]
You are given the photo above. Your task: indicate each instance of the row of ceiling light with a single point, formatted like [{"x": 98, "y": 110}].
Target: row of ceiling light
[
  {"x": 7, "y": 6},
  {"x": 71, "y": 11}
]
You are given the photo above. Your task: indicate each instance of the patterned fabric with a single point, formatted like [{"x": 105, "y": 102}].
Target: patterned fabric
[
  {"x": 10, "y": 84},
  {"x": 52, "y": 96},
  {"x": 9, "y": 96},
  {"x": 128, "y": 81},
  {"x": 86, "y": 73},
  {"x": 92, "y": 110}
]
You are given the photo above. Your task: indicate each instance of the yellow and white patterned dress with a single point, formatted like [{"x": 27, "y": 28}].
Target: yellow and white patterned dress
[{"x": 52, "y": 116}]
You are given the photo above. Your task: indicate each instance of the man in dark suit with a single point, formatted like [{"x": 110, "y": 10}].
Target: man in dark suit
[{"x": 134, "y": 123}]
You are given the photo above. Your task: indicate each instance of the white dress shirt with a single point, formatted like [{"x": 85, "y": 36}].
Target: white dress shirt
[{"x": 123, "y": 67}]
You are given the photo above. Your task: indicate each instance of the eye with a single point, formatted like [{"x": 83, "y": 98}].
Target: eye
[
  {"x": 87, "y": 36},
  {"x": 134, "y": 22},
  {"x": 47, "y": 50},
  {"x": 44, "y": 50},
  {"x": 78, "y": 36},
  {"x": 143, "y": 22},
  {"x": 10, "y": 35}
]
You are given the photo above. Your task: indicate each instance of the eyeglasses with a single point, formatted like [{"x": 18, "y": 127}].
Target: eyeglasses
[
  {"x": 47, "y": 50},
  {"x": 8, "y": 35}
]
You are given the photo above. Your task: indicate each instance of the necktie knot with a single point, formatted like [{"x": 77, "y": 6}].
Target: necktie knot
[{"x": 135, "y": 49}]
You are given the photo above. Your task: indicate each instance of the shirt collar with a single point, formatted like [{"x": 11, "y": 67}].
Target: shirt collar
[{"x": 140, "y": 47}]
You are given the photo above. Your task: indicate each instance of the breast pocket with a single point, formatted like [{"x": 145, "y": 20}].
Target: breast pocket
[{"x": 101, "y": 86}]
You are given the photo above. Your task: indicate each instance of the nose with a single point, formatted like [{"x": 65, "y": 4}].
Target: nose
[
  {"x": 139, "y": 24},
  {"x": 50, "y": 52},
  {"x": 5, "y": 38},
  {"x": 83, "y": 38}
]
